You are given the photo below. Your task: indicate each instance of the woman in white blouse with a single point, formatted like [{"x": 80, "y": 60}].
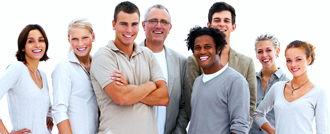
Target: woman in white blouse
[
  {"x": 75, "y": 108},
  {"x": 26, "y": 86},
  {"x": 297, "y": 102}
]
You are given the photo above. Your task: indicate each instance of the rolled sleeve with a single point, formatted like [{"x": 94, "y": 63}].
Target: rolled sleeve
[{"x": 61, "y": 81}]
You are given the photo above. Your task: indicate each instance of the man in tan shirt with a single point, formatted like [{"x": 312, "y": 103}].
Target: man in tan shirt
[{"x": 127, "y": 79}]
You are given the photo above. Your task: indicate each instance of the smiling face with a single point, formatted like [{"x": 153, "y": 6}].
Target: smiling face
[
  {"x": 266, "y": 53},
  {"x": 206, "y": 54},
  {"x": 222, "y": 20},
  {"x": 126, "y": 27},
  {"x": 35, "y": 46},
  {"x": 157, "y": 33},
  {"x": 297, "y": 61},
  {"x": 81, "y": 41}
]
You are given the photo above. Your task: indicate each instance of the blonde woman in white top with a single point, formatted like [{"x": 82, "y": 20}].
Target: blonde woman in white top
[
  {"x": 75, "y": 108},
  {"x": 26, "y": 86}
]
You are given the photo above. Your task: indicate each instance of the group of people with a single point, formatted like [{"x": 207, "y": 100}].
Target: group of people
[{"x": 148, "y": 88}]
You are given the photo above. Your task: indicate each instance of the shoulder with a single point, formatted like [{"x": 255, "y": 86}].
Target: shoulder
[
  {"x": 240, "y": 55},
  {"x": 175, "y": 53},
  {"x": 16, "y": 65},
  {"x": 233, "y": 73}
]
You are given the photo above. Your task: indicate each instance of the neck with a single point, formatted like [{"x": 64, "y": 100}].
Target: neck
[
  {"x": 224, "y": 57},
  {"x": 127, "y": 49},
  {"x": 33, "y": 64},
  {"x": 299, "y": 80},
  {"x": 267, "y": 72},
  {"x": 85, "y": 60},
  {"x": 155, "y": 47},
  {"x": 213, "y": 68}
]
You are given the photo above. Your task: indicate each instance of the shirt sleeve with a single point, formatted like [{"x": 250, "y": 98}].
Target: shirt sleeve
[
  {"x": 9, "y": 78},
  {"x": 103, "y": 64},
  {"x": 238, "y": 106},
  {"x": 192, "y": 72},
  {"x": 61, "y": 81},
  {"x": 251, "y": 79},
  {"x": 322, "y": 113},
  {"x": 265, "y": 106}
]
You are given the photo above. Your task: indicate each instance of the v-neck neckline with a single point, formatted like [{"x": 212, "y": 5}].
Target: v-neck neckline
[
  {"x": 42, "y": 86},
  {"x": 309, "y": 92}
]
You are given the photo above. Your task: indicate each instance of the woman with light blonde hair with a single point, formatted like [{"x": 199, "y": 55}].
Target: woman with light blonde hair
[
  {"x": 267, "y": 48},
  {"x": 75, "y": 108}
]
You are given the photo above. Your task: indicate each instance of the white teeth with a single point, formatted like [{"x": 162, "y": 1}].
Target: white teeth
[
  {"x": 222, "y": 30},
  {"x": 265, "y": 60},
  {"x": 36, "y": 51},
  {"x": 157, "y": 32},
  {"x": 81, "y": 49},
  {"x": 204, "y": 58},
  {"x": 128, "y": 36}
]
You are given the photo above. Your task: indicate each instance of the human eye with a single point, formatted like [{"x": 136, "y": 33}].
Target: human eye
[
  {"x": 86, "y": 37},
  {"x": 30, "y": 41},
  {"x": 299, "y": 59},
  {"x": 196, "y": 48},
  {"x": 259, "y": 52},
  {"x": 269, "y": 50},
  {"x": 41, "y": 40},
  {"x": 74, "y": 39},
  {"x": 288, "y": 61},
  {"x": 164, "y": 22},
  {"x": 135, "y": 24},
  {"x": 216, "y": 20},
  {"x": 123, "y": 24}
]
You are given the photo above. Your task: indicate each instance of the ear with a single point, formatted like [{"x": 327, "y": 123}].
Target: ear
[
  {"x": 234, "y": 27},
  {"x": 69, "y": 40},
  {"x": 93, "y": 37},
  {"x": 113, "y": 25},
  {"x": 277, "y": 52},
  {"x": 169, "y": 29},
  {"x": 208, "y": 24},
  {"x": 309, "y": 60},
  {"x": 144, "y": 25}
]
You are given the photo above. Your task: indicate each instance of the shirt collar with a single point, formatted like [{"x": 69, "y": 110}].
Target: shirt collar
[
  {"x": 278, "y": 73},
  {"x": 136, "y": 49}
]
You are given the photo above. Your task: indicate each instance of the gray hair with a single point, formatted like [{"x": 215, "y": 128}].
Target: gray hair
[
  {"x": 269, "y": 37},
  {"x": 159, "y": 6}
]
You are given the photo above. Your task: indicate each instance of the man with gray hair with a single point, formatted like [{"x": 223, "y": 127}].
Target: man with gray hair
[{"x": 157, "y": 25}]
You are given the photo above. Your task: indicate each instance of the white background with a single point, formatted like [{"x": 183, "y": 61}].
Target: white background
[{"x": 288, "y": 20}]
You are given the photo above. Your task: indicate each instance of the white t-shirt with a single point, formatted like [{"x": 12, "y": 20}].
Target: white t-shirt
[{"x": 160, "y": 111}]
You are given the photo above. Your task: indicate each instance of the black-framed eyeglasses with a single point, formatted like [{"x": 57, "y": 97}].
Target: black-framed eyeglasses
[{"x": 155, "y": 22}]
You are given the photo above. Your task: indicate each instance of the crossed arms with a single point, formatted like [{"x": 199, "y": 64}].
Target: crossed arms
[{"x": 154, "y": 94}]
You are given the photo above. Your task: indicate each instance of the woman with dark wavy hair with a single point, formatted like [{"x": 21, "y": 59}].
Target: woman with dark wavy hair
[{"x": 26, "y": 86}]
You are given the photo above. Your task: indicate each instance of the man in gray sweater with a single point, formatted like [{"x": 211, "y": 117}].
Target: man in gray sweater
[{"x": 220, "y": 101}]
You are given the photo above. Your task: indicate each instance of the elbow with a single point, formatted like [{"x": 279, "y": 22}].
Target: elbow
[{"x": 165, "y": 101}]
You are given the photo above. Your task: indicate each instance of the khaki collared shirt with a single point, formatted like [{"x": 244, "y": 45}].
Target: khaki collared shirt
[{"x": 138, "y": 69}]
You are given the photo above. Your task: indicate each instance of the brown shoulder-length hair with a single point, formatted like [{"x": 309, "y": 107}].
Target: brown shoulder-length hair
[{"x": 22, "y": 38}]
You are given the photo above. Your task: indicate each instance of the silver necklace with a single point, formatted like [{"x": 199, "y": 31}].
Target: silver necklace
[
  {"x": 297, "y": 87},
  {"x": 34, "y": 72},
  {"x": 265, "y": 80}
]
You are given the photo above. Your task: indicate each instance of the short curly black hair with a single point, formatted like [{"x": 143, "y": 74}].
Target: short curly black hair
[{"x": 218, "y": 37}]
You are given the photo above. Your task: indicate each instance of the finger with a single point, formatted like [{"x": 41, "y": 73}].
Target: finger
[{"x": 119, "y": 83}]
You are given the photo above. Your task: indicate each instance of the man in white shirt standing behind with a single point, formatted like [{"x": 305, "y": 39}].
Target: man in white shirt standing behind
[{"x": 157, "y": 25}]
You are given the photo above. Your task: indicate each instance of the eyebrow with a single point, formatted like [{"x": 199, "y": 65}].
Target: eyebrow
[{"x": 33, "y": 38}]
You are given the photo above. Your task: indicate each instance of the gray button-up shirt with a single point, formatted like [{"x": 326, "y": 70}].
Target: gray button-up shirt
[{"x": 275, "y": 77}]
